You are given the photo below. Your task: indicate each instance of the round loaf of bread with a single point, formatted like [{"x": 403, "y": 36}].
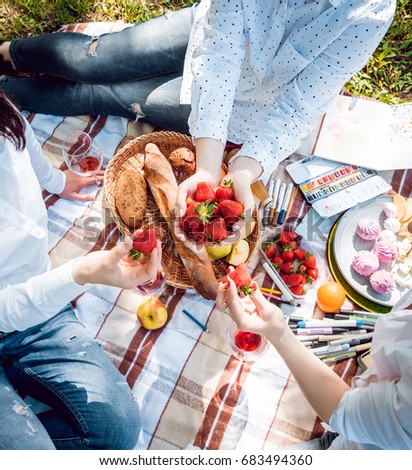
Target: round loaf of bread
[{"x": 183, "y": 159}]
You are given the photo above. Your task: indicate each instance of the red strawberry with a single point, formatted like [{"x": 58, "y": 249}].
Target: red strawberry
[
  {"x": 197, "y": 214},
  {"x": 277, "y": 261},
  {"x": 225, "y": 191},
  {"x": 312, "y": 273},
  {"x": 270, "y": 251},
  {"x": 204, "y": 192},
  {"x": 309, "y": 261},
  {"x": 284, "y": 278},
  {"x": 242, "y": 279},
  {"x": 302, "y": 268},
  {"x": 189, "y": 201},
  {"x": 216, "y": 230},
  {"x": 191, "y": 220},
  {"x": 298, "y": 290},
  {"x": 293, "y": 245},
  {"x": 287, "y": 267},
  {"x": 231, "y": 211},
  {"x": 300, "y": 253},
  {"x": 287, "y": 255},
  {"x": 294, "y": 279},
  {"x": 143, "y": 243},
  {"x": 286, "y": 237}
]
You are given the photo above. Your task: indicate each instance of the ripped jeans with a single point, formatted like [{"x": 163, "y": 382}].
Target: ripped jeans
[
  {"x": 133, "y": 73},
  {"x": 58, "y": 363}
]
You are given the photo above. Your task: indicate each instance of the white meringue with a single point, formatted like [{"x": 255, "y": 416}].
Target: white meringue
[
  {"x": 390, "y": 209},
  {"x": 392, "y": 224},
  {"x": 387, "y": 235}
]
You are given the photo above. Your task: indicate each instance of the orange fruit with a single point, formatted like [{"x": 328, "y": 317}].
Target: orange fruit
[{"x": 330, "y": 296}]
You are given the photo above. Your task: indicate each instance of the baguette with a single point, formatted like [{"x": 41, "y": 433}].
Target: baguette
[{"x": 162, "y": 182}]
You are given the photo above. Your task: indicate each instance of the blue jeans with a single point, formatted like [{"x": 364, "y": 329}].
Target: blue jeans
[
  {"x": 134, "y": 72},
  {"x": 320, "y": 443},
  {"x": 59, "y": 364}
]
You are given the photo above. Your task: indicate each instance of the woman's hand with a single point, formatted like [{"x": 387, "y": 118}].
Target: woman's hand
[
  {"x": 76, "y": 182},
  {"x": 116, "y": 268},
  {"x": 188, "y": 188},
  {"x": 243, "y": 171},
  {"x": 209, "y": 154},
  {"x": 250, "y": 313}
]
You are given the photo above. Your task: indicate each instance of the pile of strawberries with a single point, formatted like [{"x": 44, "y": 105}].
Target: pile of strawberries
[
  {"x": 211, "y": 215},
  {"x": 296, "y": 266}
]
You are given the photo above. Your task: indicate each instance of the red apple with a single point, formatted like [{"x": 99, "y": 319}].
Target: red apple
[{"x": 152, "y": 313}]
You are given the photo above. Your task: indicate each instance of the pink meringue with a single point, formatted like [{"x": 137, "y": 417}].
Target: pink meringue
[
  {"x": 368, "y": 229},
  {"x": 382, "y": 282},
  {"x": 385, "y": 251},
  {"x": 365, "y": 263}
]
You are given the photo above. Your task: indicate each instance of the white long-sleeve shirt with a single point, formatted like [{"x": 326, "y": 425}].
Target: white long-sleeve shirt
[
  {"x": 260, "y": 73},
  {"x": 30, "y": 293},
  {"x": 377, "y": 412}
]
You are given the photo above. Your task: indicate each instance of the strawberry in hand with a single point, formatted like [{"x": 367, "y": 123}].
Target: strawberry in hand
[
  {"x": 231, "y": 211},
  {"x": 241, "y": 277},
  {"x": 205, "y": 192},
  {"x": 144, "y": 243},
  {"x": 216, "y": 230},
  {"x": 225, "y": 191}
]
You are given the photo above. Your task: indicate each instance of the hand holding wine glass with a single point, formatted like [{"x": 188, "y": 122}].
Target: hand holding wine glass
[
  {"x": 254, "y": 317},
  {"x": 82, "y": 156}
]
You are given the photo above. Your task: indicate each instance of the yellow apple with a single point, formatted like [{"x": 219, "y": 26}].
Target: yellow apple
[
  {"x": 239, "y": 254},
  {"x": 218, "y": 251},
  {"x": 152, "y": 313}
]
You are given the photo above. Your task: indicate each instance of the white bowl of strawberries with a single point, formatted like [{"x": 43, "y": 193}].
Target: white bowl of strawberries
[{"x": 292, "y": 262}]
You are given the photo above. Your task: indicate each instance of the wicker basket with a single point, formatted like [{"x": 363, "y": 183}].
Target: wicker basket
[{"x": 131, "y": 156}]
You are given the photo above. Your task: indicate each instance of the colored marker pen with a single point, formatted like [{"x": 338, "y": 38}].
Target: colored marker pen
[
  {"x": 333, "y": 323},
  {"x": 327, "y": 350},
  {"x": 327, "y": 330},
  {"x": 285, "y": 204}
]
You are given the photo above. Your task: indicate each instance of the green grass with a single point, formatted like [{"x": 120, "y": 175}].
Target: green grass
[{"x": 387, "y": 76}]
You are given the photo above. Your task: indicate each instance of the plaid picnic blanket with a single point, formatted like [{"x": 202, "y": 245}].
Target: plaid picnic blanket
[{"x": 190, "y": 388}]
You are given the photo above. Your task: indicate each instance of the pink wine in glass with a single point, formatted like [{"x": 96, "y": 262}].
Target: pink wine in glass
[
  {"x": 154, "y": 285},
  {"x": 247, "y": 341},
  {"x": 89, "y": 164}
]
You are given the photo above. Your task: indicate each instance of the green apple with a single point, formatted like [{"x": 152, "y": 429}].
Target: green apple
[
  {"x": 218, "y": 251},
  {"x": 152, "y": 313}
]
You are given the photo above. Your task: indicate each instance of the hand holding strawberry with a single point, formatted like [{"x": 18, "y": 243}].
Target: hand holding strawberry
[
  {"x": 144, "y": 242},
  {"x": 242, "y": 279}
]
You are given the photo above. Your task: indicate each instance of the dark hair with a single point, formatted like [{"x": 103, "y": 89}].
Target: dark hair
[{"x": 12, "y": 124}]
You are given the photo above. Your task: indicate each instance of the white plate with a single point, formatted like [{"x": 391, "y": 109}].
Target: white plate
[{"x": 346, "y": 243}]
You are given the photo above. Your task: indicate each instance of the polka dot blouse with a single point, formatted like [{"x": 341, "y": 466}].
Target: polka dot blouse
[{"x": 261, "y": 72}]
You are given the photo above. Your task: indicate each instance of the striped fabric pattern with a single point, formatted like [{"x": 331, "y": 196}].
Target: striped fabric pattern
[{"x": 190, "y": 388}]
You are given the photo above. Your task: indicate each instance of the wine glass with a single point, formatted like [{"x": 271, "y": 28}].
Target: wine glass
[
  {"x": 247, "y": 346},
  {"x": 82, "y": 155},
  {"x": 155, "y": 285}
]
